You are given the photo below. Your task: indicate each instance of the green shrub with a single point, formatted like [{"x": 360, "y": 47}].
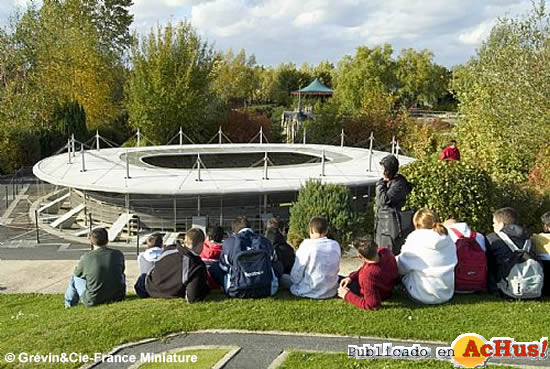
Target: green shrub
[
  {"x": 539, "y": 174},
  {"x": 529, "y": 203},
  {"x": 18, "y": 148},
  {"x": 452, "y": 189},
  {"x": 333, "y": 201}
]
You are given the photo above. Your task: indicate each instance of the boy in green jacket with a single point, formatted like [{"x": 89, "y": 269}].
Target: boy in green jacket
[{"x": 99, "y": 276}]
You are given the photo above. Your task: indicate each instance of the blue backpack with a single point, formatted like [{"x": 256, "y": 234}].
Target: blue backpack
[{"x": 251, "y": 268}]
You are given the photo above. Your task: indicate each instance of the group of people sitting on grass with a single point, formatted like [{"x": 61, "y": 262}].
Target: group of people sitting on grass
[{"x": 432, "y": 263}]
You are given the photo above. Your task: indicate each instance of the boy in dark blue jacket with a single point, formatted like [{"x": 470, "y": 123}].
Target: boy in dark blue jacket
[{"x": 246, "y": 263}]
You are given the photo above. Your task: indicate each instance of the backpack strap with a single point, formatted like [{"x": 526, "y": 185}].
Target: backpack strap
[
  {"x": 527, "y": 245},
  {"x": 457, "y": 232},
  {"x": 511, "y": 245}
]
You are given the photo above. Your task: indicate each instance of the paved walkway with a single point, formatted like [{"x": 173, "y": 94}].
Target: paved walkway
[
  {"x": 264, "y": 350},
  {"x": 22, "y": 260}
]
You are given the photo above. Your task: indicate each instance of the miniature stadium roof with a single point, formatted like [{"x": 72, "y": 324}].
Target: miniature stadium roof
[{"x": 314, "y": 88}]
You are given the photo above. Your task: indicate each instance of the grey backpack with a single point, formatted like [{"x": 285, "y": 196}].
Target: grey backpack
[{"x": 525, "y": 278}]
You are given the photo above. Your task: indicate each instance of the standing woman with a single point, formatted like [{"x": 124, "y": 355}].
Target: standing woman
[{"x": 391, "y": 193}]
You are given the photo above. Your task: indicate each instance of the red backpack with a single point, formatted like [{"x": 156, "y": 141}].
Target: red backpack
[{"x": 471, "y": 269}]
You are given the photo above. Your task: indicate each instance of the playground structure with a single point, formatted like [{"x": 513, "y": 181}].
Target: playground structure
[{"x": 134, "y": 191}]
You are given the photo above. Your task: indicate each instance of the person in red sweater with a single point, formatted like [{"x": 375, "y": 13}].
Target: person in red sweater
[
  {"x": 451, "y": 152},
  {"x": 213, "y": 245},
  {"x": 374, "y": 281},
  {"x": 211, "y": 251}
]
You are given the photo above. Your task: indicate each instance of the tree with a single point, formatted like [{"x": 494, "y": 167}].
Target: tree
[
  {"x": 66, "y": 56},
  {"x": 504, "y": 94},
  {"x": 323, "y": 71},
  {"x": 369, "y": 71},
  {"x": 170, "y": 84},
  {"x": 236, "y": 78},
  {"x": 112, "y": 20},
  {"x": 421, "y": 81},
  {"x": 287, "y": 79}
]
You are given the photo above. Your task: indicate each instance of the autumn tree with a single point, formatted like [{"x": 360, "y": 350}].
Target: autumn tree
[
  {"x": 170, "y": 84},
  {"x": 504, "y": 94},
  {"x": 236, "y": 78},
  {"x": 420, "y": 80},
  {"x": 323, "y": 71},
  {"x": 368, "y": 72}
]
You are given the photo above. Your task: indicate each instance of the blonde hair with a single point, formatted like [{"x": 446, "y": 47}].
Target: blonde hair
[{"x": 427, "y": 219}]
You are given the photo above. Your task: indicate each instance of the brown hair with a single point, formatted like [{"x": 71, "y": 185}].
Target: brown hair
[
  {"x": 366, "y": 246},
  {"x": 154, "y": 240},
  {"x": 427, "y": 219},
  {"x": 319, "y": 225},
  {"x": 273, "y": 223},
  {"x": 506, "y": 216},
  {"x": 99, "y": 237},
  {"x": 239, "y": 223},
  {"x": 195, "y": 236}
]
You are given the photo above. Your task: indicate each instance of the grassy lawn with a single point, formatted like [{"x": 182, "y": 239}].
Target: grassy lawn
[
  {"x": 40, "y": 324},
  {"x": 302, "y": 360},
  {"x": 205, "y": 360}
]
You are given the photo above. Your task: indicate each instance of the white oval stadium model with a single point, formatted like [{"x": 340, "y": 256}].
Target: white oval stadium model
[
  {"x": 106, "y": 170},
  {"x": 151, "y": 188}
]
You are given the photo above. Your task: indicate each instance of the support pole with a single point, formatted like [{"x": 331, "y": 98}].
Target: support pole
[
  {"x": 199, "y": 167},
  {"x": 392, "y": 144},
  {"x": 198, "y": 206},
  {"x": 265, "y": 166},
  {"x": 305, "y": 131},
  {"x": 127, "y": 204},
  {"x": 91, "y": 227},
  {"x": 37, "y": 227},
  {"x": 175, "y": 206},
  {"x": 69, "y": 145},
  {"x": 7, "y": 196},
  {"x": 181, "y": 136},
  {"x": 261, "y": 135},
  {"x": 127, "y": 166},
  {"x": 82, "y": 155},
  {"x": 137, "y": 235},
  {"x": 73, "y": 145},
  {"x": 371, "y": 143},
  {"x": 97, "y": 140},
  {"x": 138, "y": 137},
  {"x": 397, "y": 148},
  {"x": 323, "y": 163},
  {"x": 221, "y": 211},
  {"x": 220, "y": 133},
  {"x": 265, "y": 203},
  {"x": 260, "y": 212},
  {"x": 342, "y": 135}
]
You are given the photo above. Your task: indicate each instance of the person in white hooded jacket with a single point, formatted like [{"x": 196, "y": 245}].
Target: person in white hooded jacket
[
  {"x": 427, "y": 261},
  {"x": 146, "y": 259}
]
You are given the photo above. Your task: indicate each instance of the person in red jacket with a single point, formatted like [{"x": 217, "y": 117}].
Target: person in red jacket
[
  {"x": 374, "y": 281},
  {"x": 213, "y": 245},
  {"x": 211, "y": 252},
  {"x": 451, "y": 152}
]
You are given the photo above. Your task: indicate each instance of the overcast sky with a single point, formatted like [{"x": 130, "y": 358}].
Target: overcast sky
[{"x": 296, "y": 31}]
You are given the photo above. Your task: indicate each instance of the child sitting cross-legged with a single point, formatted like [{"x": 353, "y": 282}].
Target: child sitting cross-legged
[{"x": 374, "y": 281}]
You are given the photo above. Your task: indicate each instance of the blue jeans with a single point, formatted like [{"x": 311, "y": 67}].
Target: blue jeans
[
  {"x": 139, "y": 287},
  {"x": 75, "y": 291},
  {"x": 217, "y": 274}
]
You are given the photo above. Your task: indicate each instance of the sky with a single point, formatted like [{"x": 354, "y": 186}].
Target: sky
[{"x": 298, "y": 31}]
